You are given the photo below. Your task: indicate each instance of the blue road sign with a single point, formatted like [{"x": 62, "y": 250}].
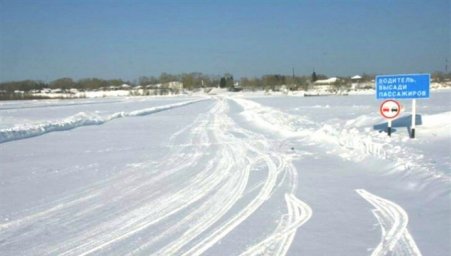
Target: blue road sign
[{"x": 413, "y": 86}]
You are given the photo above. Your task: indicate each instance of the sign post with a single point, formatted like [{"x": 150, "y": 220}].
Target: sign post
[
  {"x": 389, "y": 128},
  {"x": 409, "y": 86},
  {"x": 414, "y": 114}
]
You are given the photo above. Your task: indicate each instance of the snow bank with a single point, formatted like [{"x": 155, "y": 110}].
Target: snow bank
[
  {"x": 357, "y": 139},
  {"x": 87, "y": 94},
  {"x": 81, "y": 119},
  {"x": 354, "y": 139}
]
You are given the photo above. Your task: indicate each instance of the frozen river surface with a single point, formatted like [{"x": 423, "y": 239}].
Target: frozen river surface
[{"x": 231, "y": 174}]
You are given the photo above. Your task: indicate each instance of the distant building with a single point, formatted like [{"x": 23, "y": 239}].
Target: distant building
[
  {"x": 328, "y": 81},
  {"x": 355, "y": 84},
  {"x": 325, "y": 84},
  {"x": 174, "y": 85},
  {"x": 57, "y": 90}
]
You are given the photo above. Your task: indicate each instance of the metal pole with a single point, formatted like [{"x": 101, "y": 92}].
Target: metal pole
[
  {"x": 414, "y": 113},
  {"x": 389, "y": 128}
]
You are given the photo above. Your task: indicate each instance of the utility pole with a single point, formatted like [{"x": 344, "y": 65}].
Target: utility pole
[{"x": 446, "y": 65}]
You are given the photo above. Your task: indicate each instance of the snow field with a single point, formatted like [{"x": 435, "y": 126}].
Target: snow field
[{"x": 235, "y": 176}]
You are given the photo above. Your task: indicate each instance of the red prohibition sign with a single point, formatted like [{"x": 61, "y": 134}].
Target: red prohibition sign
[{"x": 390, "y": 109}]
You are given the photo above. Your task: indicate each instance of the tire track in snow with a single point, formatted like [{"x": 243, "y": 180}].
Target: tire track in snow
[
  {"x": 51, "y": 212},
  {"x": 244, "y": 153},
  {"x": 228, "y": 194},
  {"x": 280, "y": 241},
  {"x": 161, "y": 207},
  {"x": 268, "y": 187},
  {"x": 203, "y": 221},
  {"x": 237, "y": 219},
  {"x": 242, "y": 156},
  {"x": 223, "y": 160},
  {"x": 393, "y": 220}
]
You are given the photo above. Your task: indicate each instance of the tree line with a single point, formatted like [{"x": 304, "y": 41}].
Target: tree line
[
  {"x": 190, "y": 81},
  {"x": 61, "y": 83}
]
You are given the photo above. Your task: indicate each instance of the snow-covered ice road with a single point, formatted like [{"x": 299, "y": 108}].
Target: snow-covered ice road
[
  {"x": 220, "y": 176},
  {"x": 213, "y": 177}
]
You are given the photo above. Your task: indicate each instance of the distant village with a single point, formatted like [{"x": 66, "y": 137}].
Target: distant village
[{"x": 314, "y": 85}]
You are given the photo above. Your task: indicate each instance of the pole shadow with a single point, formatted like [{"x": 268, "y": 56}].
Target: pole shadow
[{"x": 405, "y": 121}]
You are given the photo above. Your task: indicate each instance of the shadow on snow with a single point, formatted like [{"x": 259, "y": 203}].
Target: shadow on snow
[{"x": 405, "y": 121}]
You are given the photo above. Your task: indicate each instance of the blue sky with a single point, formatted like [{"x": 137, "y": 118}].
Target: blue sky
[{"x": 45, "y": 40}]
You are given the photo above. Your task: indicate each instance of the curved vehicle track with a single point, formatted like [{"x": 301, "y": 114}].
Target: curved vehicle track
[{"x": 393, "y": 220}]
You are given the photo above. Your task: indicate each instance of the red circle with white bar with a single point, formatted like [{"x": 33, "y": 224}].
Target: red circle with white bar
[{"x": 390, "y": 109}]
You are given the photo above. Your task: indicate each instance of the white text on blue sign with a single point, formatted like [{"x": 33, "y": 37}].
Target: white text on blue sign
[{"x": 402, "y": 86}]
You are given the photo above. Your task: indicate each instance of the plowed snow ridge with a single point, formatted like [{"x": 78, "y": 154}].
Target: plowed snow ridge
[{"x": 77, "y": 120}]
